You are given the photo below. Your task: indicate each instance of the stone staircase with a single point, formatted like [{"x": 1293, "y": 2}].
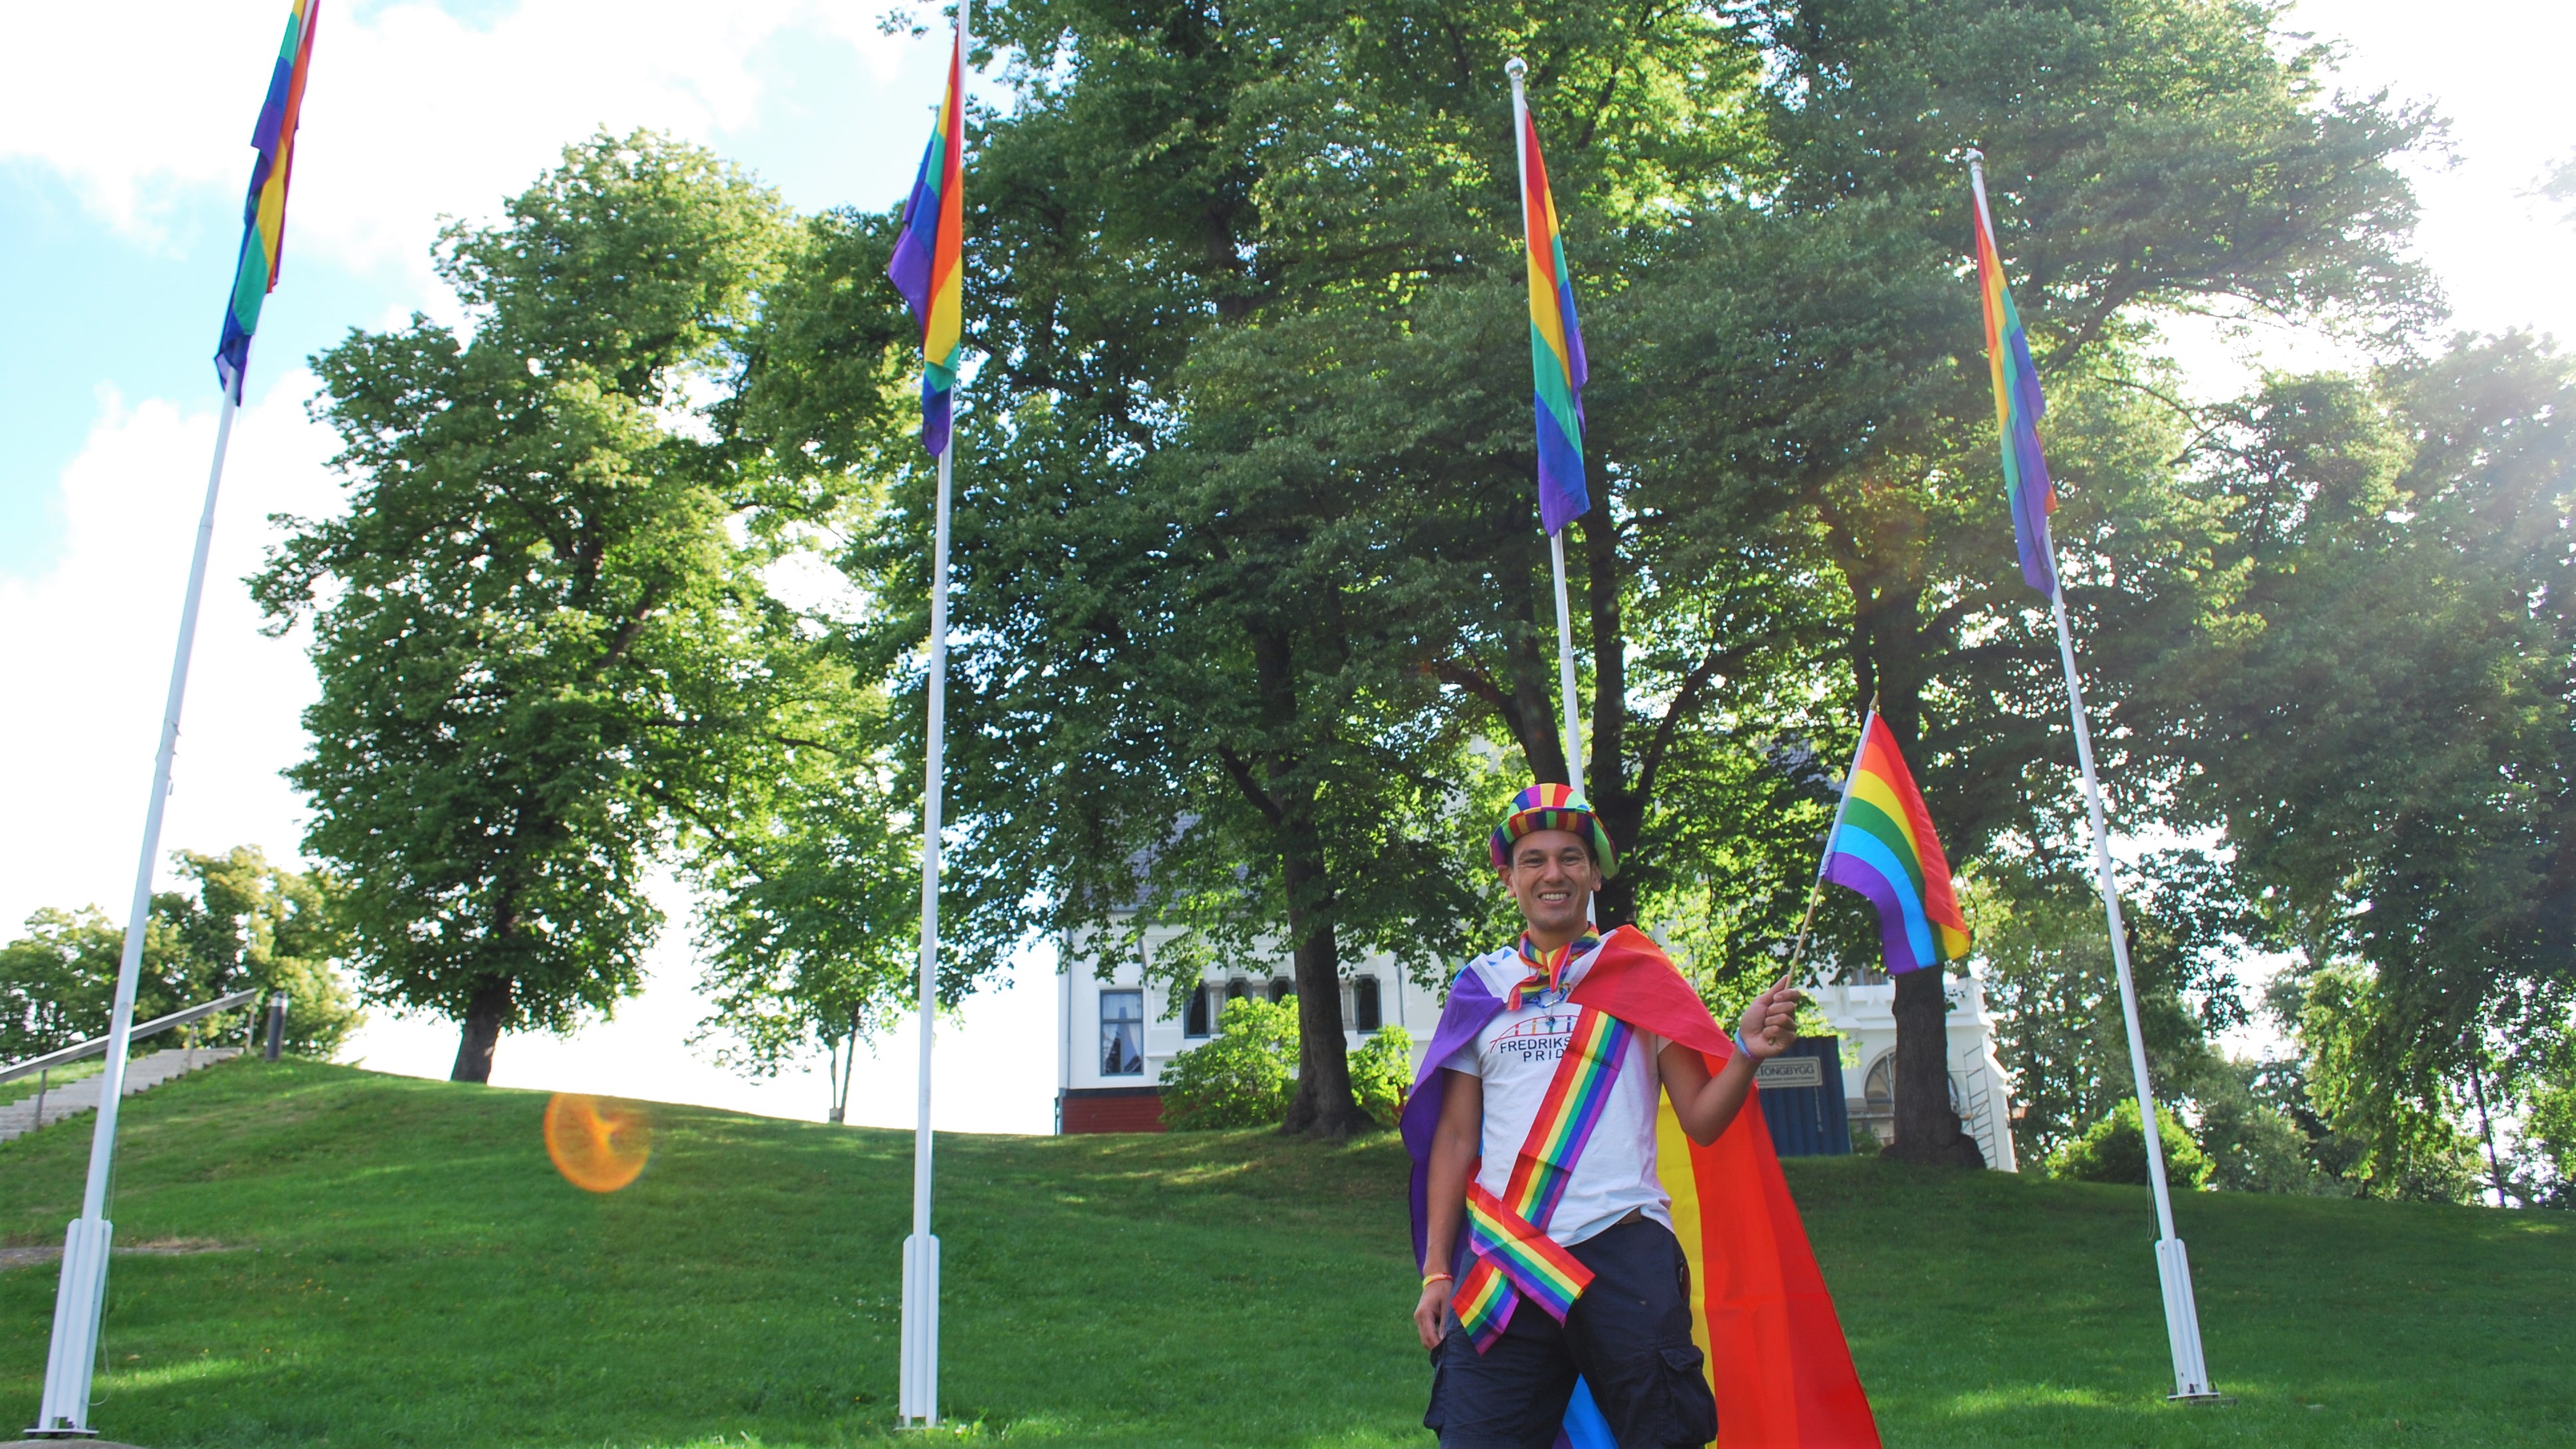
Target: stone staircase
[{"x": 142, "y": 1074}]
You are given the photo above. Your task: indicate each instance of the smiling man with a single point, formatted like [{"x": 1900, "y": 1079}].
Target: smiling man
[{"x": 1544, "y": 1232}]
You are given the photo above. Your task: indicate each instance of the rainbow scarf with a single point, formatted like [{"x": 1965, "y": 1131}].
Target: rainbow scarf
[
  {"x": 264, "y": 212},
  {"x": 1547, "y": 968},
  {"x": 1508, "y": 1234},
  {"x": 929, "y": 254},
  {"x": 2018, "y": 408},
  {"x": 1557, "y": 368},
  {"x": 1882, "y": 846}
]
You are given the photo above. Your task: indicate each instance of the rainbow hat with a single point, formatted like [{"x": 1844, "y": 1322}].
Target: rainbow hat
[{"x": 1553, "y": 807}]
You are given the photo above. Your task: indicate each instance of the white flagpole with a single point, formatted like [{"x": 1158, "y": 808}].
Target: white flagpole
[
  {"x": 918, "y": 1390},
  {"x": 2173, "y": 1263},
  {"x": 1516, "y": 68},
  {"x": 80, "y": 1297}
]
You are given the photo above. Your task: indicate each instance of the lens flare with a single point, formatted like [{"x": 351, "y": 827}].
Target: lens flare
[{"x": 599, "y": 1144}]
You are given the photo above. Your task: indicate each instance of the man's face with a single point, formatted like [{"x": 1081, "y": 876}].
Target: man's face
[{"x": 1552, "y": 878}]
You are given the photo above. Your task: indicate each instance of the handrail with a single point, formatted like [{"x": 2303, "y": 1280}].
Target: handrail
[{"x": 96, "y": 1045}]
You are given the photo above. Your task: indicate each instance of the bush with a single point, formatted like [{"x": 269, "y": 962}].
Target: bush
[
  {"x": 2115, "y": 1150},
  {"x": 1243, "y": 1077},
  {"x": 2253, "y": 1146},
  {"x": 1381, "y": 1073}
]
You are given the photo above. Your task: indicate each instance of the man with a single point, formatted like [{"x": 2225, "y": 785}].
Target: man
[{"x": 1544, "y": 1230}]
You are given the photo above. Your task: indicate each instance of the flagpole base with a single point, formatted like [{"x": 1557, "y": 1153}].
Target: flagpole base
[
  {"x": 2182, "y": 1325},
  {"x": 918, "y": 1400},
  {"x": 65, "y": 1414}
]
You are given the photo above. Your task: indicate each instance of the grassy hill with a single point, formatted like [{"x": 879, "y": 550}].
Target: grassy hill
[{"x": 397, "y": 1263}]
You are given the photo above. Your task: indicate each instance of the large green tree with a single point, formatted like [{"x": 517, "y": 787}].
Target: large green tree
[
  {"x": 2384, "y": 725},
  {"x": 1800, "y": 395},
  {"x": 546, "y": 646},
  {"x": 1245, "y": 546}
]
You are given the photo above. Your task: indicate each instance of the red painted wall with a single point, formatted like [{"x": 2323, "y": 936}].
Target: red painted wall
[{"x": 1140, "y": 1112}]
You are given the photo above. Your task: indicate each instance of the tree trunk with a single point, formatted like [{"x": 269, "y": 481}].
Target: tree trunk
[
  {"x": 1324, "y": 1105},
  {"x": 1887, "y": 665},
  {"x": 1606, "y": 782},
  {"x": 485, "y": 1011},
  {"x": 1926, "y": 1129}
]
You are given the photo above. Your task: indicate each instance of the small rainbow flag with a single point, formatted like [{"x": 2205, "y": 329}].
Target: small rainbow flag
[
  {"x": 929, "y": 253},
  {"x": 1883, "y": 847},
  {"x": 2018, "y": 408},
  {"x": 1556, "y": 347},
  {"x": 264, "y": 213}
]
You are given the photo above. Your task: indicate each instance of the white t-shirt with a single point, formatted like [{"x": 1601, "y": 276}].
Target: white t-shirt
[{"x": 1516, "y": 1054}]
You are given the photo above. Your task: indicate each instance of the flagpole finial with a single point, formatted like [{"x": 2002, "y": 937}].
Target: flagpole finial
[
  {"x": 1975, "y": 155},
  {"x": 1516, "y": 68}
]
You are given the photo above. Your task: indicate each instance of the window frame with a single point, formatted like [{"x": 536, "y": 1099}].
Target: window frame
[{"x": 1110, "y": 1025}]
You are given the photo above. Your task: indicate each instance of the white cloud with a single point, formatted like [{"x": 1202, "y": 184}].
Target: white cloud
[
  {"x": 86, "y": 654},
  {"x": 85, "y": 650},
  {"x": 411, "y": 113}
]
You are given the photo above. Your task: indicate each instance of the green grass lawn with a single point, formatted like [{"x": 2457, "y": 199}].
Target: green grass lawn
[{"x": 402, "y": 1266}]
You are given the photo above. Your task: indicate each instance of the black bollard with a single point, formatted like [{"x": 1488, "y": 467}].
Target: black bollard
[{"x": 276, "y": 1023}]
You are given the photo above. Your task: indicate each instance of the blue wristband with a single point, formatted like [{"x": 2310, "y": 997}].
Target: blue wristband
[{"x": 1740, "y": 1046}]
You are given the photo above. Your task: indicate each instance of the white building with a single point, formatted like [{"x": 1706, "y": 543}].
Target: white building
[{"x": 1116, "y": 1032}]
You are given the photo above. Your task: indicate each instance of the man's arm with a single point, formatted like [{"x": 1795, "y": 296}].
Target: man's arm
[
  {"x": 1455, "y": 1145},
  {"x": 1705, "y": 1103}
]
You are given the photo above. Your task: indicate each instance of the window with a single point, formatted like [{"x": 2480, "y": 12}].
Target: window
[
  {"x": 1280, "y": 986},
  {"x": 1237, "y": 989},
  {"x": 1122, "y": 1033},
  {"x": 1194, "y": 1021},
  {"x": 1364, "y": 1007},
  {"x": 1878, "y": 1088}
]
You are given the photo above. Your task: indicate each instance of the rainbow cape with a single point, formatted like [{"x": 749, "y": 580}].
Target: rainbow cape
[
  {"x": 1557, "y": 367},
  {"x": 264, "y": 213},
  {"x": 1774, "y": 1348},
  {"x": 929, "y": 252},
  {"x": 1882, "y": 846},
  {"x": 2018, "y": 408}
]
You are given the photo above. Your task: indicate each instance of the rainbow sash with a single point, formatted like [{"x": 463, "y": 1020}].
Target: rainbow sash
[{"x": 1508, "y": 1234}]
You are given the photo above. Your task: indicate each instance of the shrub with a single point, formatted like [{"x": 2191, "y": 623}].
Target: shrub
[
  {"x": 1243, "y": 1077},
  {"x": 2115, "y": 1150},
  {"x": 1381, "y": 1071}
]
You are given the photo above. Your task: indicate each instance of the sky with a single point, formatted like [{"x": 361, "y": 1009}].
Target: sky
[{"x": 120, "y": 203}]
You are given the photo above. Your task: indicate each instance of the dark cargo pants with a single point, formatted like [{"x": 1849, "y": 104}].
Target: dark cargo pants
[{"x": 1628, "y": 1338}]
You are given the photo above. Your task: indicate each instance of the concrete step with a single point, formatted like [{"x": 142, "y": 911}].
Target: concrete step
[{"x": 18, "y": 1118}]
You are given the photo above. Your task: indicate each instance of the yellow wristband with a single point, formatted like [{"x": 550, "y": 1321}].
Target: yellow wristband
[{"x": 1430, "y": 1278}]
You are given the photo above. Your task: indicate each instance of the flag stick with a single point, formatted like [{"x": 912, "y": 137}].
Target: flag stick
[
  {"x": 81, "y": 1295},
  {"x": 918, "y": 1389},
  {"x": 1565, "y": 668},
  {"x": 1816, "y": 892},
  {"x": 2173, "y": 1263},
  {"x": 1516, "y": 68}
]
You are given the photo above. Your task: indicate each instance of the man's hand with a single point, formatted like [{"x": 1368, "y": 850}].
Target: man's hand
[
  {"x": 1426, "y": 1314},
  {"x": 1770, "y": 1024}
]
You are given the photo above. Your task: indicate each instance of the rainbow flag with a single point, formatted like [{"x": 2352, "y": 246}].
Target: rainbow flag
[
  {"x": 929, "y": 252},
  {"x": 1883, "y": 847},
  {"x": 1556, "y": 347},
  {"x": 2018, "y": 408},
  {"x": 264, "y": 213}
]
